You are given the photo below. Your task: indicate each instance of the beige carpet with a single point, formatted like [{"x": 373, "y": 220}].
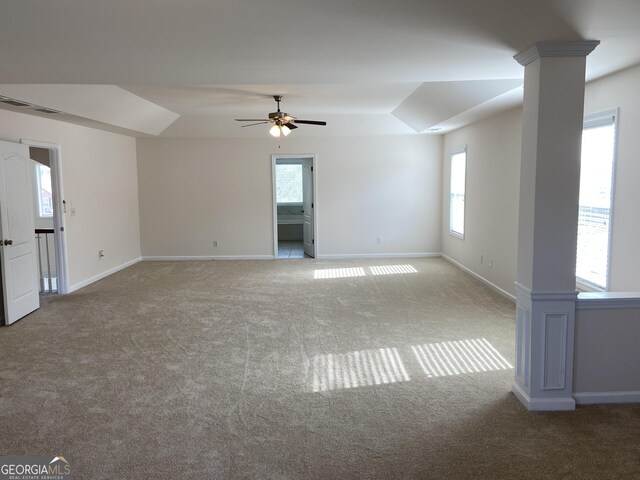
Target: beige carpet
[{"x": 291, "y": 369}]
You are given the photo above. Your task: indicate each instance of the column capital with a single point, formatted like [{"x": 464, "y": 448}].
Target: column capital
[{"x": 556, "y": 49}]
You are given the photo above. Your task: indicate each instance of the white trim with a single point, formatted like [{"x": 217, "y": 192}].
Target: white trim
[
  {"x": 607, "y": 300},
  {"x": 589, "y": 398},
  {"x": 495, "y": 287},
  {"x": 556, "y": 49},
  {"x": 60, "y": 230},
  {"x": 208, "y": 257},
  {"x": 545, "y": 404},
  {"x": 546, "y": 296},
  {"x": 102, "y": 275},
  {"x": 554, "y": 296},
  {"x": 548, "y": 357},
  {"x": 345, "y": 256},
  {"x": 523, "y": 344}
]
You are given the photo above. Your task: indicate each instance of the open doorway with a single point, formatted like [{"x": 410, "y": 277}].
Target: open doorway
[
  {"x": 294, "y": 206},
  {"x": 48, "y": 217}
]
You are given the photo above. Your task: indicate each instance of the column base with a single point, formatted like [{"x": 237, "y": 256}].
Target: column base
[{"x": 543, "y": 404}]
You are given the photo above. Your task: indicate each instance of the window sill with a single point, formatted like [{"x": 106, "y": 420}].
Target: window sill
[
  {"x": 585, "y": 286},
  {"x": 608, "y": 300}
]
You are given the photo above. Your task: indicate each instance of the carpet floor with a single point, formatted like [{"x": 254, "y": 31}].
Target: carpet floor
[{"x": 291, "y": 369}]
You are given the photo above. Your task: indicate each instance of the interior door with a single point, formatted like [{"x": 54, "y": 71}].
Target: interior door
[
  {"x": 18, "y": 249},
  {"x": 308, "y": 207}
]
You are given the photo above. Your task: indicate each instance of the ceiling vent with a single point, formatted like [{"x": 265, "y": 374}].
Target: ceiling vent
[
  {"x": 15, "y": 103},
  {"x": 47, "y": 110}
]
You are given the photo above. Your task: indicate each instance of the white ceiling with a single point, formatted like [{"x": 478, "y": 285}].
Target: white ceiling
[{"x": 350, "y": 63}]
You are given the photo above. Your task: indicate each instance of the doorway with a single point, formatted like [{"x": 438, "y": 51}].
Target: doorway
[
  {"x": 294, "y": 206},
  {"x": 48, "y": 217}
]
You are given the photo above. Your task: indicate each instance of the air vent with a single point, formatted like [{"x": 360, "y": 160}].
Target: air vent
[
  {"x": 15, "y": 103},
  {"x": 47, "y": 110}
]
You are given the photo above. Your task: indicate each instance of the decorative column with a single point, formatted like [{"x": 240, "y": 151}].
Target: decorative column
[{"x": 548, "y": 222}]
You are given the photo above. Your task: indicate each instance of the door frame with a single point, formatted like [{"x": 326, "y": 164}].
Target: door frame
[
  {"x": 314, "y": 166},
  {"x": 60, "y": 231}
]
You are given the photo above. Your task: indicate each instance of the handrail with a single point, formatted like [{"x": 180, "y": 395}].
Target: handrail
[{"x": 47, "y": 281}]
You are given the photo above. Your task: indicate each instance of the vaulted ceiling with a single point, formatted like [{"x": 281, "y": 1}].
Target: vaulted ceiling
[{"x": 189, "y": 67}]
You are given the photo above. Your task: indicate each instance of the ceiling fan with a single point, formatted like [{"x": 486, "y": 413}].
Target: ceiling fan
[{"x": 282, "y": 122}]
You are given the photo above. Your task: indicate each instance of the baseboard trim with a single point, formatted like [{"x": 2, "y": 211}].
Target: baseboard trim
[
  {"x": 346, "y": 256},
  {"x": 477, "y": 276},
  {"x": 212, "y": 257},
  {"x": 102, "y": 275},
  {"x": 589, "y": 398},
  {"x": 542, "y": 404}
]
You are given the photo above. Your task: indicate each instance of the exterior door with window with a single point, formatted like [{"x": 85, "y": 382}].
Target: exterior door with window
[{"x": 18, "y": 249}]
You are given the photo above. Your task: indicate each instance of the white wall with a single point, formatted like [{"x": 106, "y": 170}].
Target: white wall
[
  {"x": 493, "y": 164},
  {"x": 367, "y": 187},
  {"x": 100, "y": 181},
  {"x": 491, "y": 198}
]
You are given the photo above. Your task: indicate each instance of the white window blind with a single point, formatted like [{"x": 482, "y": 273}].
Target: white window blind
[
  {"x": 596, "y": 197},
  {"x": 457, "y": 193}
]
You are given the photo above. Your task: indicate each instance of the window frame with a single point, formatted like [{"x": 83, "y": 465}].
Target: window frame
[
  {"x": 453, "y": 233},
  {"x": 594, "y": 120}
]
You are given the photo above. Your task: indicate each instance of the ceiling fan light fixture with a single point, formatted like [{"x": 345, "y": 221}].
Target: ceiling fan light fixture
[
  {"x": 275, "y": 131},
  {"x": 281, "y": 122}
]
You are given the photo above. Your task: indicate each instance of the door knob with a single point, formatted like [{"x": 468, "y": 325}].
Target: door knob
[{"x": 8, "y": 242}]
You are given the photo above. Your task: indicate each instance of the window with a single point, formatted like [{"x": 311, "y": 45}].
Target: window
[
  {"x": 289, "y": 184},
  {"x": 596, "y": 194},
  {"x": 43, "y": 191},
  {"x": 457, "y": 192}
]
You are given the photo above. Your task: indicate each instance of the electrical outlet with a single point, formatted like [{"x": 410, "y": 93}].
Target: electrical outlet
[
  {"x": 481, "y": 258},
  {"x": 100, "y": 253},
  {"x": 73, "y": 212},
  {"x": 215, "y": 243},
  {"x": 379, "y": 239}
]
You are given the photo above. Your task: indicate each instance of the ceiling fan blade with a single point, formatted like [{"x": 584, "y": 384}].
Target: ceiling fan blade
[
  {"x": 251, "y": 120},
  {"x": 290, "y": 125},
  {"x": 311, "y": 122},
  {"x": 252, "y": 124}
]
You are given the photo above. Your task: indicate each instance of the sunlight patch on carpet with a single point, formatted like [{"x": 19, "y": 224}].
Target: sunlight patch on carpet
[
  {"x": 338, "y": 273},
  {"x": 362, "y": 368},
  {"x": 360, "y": 272},
  {"x": 459, "y": 357},
  {"x": 392, "y": 269}
]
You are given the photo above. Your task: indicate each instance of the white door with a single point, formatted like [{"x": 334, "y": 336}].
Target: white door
[
  {"x": 308, "y": 207},
  {"x": 18, "y": 249}
]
